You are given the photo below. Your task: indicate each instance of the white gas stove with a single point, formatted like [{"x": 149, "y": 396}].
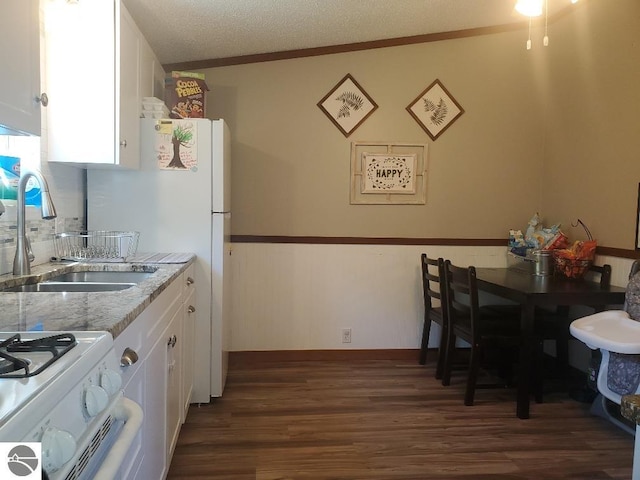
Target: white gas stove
[{"x": 64, "y": 390}]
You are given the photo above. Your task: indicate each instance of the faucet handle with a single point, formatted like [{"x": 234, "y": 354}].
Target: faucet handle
[{"x": 30, "y": 254}]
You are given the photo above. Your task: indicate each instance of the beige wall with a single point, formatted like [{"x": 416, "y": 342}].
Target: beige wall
[
  {"x": 592, "y": 86},
  {"x": 292, "y": 165},
  {"x": 552, "y": 130}
]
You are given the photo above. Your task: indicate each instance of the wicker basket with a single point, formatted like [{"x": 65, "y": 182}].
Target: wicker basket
[
  {"x": 571, "y": 268},
  {"x": 95, "y": 245}
]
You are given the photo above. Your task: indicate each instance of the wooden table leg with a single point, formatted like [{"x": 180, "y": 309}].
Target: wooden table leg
[{"x": 527, "y": 318}]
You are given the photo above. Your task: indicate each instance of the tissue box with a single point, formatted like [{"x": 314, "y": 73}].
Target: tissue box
[
  {"x": 185, "y": 94},
  {"x": 10, "y": 178}
]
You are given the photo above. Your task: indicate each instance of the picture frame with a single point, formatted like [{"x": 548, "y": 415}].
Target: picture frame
[
  {"x": 435, "y": 109},
  {"x": 638, "y": 221},
  {"x": 347, "y": 105},
  {"x": 408, "y": 187},
  {"x": 389, "y": 173}
]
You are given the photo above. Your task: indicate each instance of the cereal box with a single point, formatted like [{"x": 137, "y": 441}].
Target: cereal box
[{"x": 185, "y": 94}]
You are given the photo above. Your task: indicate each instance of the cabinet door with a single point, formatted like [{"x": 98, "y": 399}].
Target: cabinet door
[
  {"x": 174, "y": 382},
  {"x": 155, "y": 445},
  {"x": 80, "y": 81},
  {"x": 93, "y": 71},
  {"x": 128, "y": 99},
  {"x": 188, "y": 331},
  {"x": 20, "y": 58},
  {"x": 129, "y": 349}
]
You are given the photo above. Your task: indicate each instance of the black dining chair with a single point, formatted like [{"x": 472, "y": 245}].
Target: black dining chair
[
  {"x": 433, "y": 290},
  {"x": 485, "y": 332}
]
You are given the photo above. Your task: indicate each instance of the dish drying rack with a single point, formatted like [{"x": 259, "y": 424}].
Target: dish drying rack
[{"x": 95, "y": 245}]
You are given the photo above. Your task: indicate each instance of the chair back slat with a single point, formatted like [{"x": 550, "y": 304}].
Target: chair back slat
[
  {"x": 603, "y": 272},
  {"x": 429, "y": 279},
  {"x": 433, "y": 288},
  {"x": 462, "y": 296}
]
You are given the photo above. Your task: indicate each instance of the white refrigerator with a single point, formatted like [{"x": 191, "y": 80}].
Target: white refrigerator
[{"x": 180, "y": 203}]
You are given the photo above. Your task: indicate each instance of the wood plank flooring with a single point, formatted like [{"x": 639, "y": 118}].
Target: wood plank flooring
[{"x": 387, "y": 419}]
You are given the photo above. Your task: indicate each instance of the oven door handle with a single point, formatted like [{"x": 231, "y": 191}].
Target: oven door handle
[{"x": 130, "y": 412}]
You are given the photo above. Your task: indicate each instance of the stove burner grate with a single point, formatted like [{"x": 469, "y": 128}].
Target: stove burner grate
[
  {"x": 56, "y": 345},
  {"x": 8, "y": 366}
]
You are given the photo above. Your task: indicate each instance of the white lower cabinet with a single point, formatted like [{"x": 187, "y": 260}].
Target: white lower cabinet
[
  {"x": 188, "y": 344},
  {"x": 158, "y": 379},
  {"x": 174, "y": 381}
]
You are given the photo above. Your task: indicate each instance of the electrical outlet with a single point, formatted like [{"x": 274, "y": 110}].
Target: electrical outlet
[{"x": 346, "y": 335}]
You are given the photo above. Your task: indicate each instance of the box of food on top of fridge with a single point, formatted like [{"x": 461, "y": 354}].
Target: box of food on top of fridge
[{"x": 185, "y": 94}]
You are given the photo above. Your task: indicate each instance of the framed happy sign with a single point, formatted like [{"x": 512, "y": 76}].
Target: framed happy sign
[{"x": 388, "y": 173}]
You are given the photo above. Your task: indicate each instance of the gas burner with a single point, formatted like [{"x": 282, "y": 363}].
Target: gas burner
[
  {"x": 13, "y": 350},
  {"x": 8, "y": 366}
]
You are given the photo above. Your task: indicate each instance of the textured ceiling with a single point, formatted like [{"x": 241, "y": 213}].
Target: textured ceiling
[{"x": 195, "y": 30}]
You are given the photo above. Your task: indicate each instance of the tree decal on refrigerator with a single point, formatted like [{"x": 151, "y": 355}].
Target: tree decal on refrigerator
[{"x": 181, "y": 137}]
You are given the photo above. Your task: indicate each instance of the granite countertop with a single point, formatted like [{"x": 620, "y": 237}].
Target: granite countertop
[{"x": 82, "y": 311}]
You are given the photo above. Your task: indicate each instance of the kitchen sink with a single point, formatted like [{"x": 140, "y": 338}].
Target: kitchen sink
[
  {"x": 101, "y": 277},
  {"x": 69, "y": 286},
  {"x": 85, "y": 281}
]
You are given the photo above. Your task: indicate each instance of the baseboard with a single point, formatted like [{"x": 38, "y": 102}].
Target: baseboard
[{"x": 238, "y": 358}]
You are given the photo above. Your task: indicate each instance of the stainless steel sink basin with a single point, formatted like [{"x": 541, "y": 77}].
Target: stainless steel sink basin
[
  {"x": 85, "y": 281},
  {"x": 101, "y": 277},
  {"x": 70, "y": 287}
]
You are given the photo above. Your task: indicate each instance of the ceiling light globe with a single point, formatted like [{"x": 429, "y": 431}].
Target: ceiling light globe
[{"x": 530, "y": 8}]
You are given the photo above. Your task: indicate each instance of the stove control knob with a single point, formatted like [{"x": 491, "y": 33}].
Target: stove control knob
[
  {"x": 95, "y": 400},
  {"x": 58, "y": 446},
  {"x": 111, "y": 381}
]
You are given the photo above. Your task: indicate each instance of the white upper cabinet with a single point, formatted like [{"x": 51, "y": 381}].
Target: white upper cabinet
[
  {"x": 97, "y": 73},
  {"x": 20, "y": 60}
]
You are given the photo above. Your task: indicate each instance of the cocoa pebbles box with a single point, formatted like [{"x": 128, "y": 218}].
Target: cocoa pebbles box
[{"x": 185, "y": 94}]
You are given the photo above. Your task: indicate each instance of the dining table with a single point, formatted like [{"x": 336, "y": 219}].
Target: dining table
[{"x": 531, "y": 291}]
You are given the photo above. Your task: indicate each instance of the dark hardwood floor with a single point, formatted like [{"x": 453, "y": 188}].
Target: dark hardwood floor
[{"x": 387, "y": 419}]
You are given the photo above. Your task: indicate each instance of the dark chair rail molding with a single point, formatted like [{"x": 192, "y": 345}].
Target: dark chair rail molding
[
  {"x": 485, "y": 242},
  {"x": 461, "y": 242}
]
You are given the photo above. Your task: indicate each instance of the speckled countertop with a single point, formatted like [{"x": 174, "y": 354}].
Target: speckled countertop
[{"x": 82, "y": 311}]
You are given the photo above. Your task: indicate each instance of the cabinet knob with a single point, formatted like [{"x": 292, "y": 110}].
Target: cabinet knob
[
  {"x": 123, "y": 143},
  {"x": 190, "y": 281},
  {"x": 172, "y": 341},
  {"x": 128, "y": 358},
  {"x": 191, "y": 309},
  {"x": 43, "y": 99}
]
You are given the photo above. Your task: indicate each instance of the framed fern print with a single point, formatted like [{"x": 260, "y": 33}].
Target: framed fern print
[
  {"x": 347, "y": 105},
  {"x": 435, "y": 109}
]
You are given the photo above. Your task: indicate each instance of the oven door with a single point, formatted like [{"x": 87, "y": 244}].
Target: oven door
[{"x": 102, "y": 450}]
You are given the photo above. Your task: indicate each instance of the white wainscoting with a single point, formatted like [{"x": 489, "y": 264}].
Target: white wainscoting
[{"x": 301, "y": 296}]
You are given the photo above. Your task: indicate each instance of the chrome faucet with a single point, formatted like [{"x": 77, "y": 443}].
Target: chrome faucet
[{"x": 21, "y": 263}]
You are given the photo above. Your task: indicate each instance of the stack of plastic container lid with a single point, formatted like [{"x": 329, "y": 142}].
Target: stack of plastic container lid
[{"x": 153, "y": 107}]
